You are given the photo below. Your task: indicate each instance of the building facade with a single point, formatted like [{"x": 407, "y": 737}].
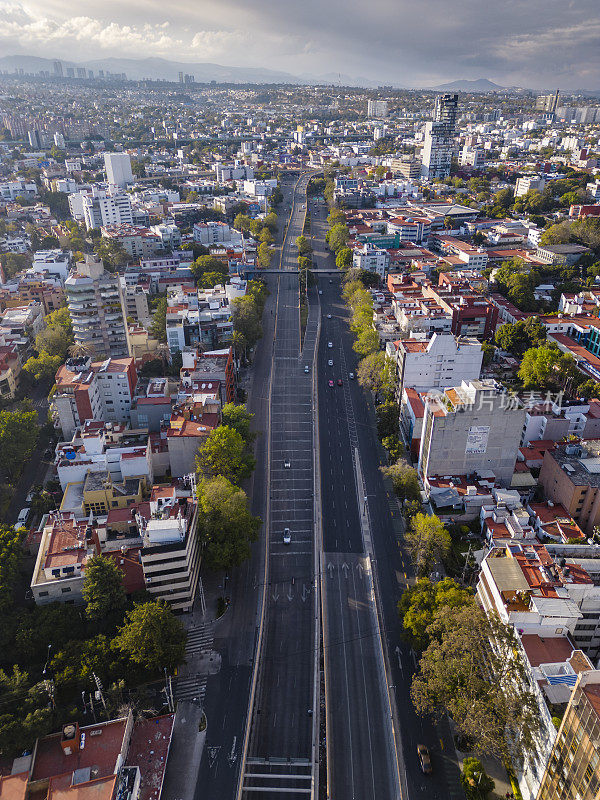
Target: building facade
[{"x": 439, "y": 145}]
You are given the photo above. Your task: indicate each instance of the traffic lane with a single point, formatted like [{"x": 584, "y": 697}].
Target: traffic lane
[{"x": 359, "y": 749}]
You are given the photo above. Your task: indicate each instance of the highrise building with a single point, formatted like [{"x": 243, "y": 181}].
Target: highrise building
[
  {"x": 573, "y": 771},
  {"x": 439, "y": 134},
  {"x": 118, "y": 169},
  {"x": 377, "y": 109},
  {"x": 96, "y": 309},
  {"x": 58, "y": 69},
  {"x": 180, "y": 75},
  {"x": 547, "y": 102}
]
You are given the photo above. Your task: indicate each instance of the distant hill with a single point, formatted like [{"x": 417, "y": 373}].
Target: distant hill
[{"x": 479, "y": 85}]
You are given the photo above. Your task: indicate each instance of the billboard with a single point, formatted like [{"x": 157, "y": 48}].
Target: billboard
[{"x": 477, "y": 439}]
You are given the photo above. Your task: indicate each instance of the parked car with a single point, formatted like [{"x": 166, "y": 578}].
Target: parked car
[
  {"x": 22, "y": 518},
  {"x": 328, "y": 316},
  {"x": 306, "y": 369},
  {"x": 330, "y": 363},
  {"x": 287, "y": 463},
  {"x": 329, "y": 344},
  {"x": 287, "y": 536},
  {"x": 351, "y": 376},
  {"x": 424, "y": 759}
]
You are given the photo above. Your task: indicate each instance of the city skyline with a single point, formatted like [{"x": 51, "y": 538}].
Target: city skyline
[{"x": 391, "y": 43}]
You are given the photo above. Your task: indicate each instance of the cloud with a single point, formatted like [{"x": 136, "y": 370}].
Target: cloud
[{"x": 532, "y": 43}]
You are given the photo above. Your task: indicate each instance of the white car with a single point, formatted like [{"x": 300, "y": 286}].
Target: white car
[
  {"x": 351, "y": 376},
  {"x": 329, "y": 344},
  {"x": 328, "y": 316},
  {"x": 287, "y": 536},
  {"x": 22, "y": 518},
  {"x": 287, "y": 464},
  {"x": 330, "y": 363},
  {"x": 320, "y": 291},
  {"x": 306, "y": 369}
]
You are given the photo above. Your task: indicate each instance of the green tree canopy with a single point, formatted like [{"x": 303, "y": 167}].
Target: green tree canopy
[
  {"x": 303, "y": 245},
  {"x": 481, "y": 687},
  {"x": 429, "y": 542},
  {"x": 376, "y": 373},
  {"x": 239, "y": 419},
  {"x": 103, "y": 590},
  {"x": 18, "y": 436},
  {"x": 226, "y": 525},
  {"x": 518, "y": 337},
  {"x": 476, "y": 782},
  {"x": 343, "y": 258},
  {"x": 43, "y": 367},
  {"x": 208, "y": 264},
  {"x": 337, "y": 237},
  {"x": 158, "y": 326},
  {"x": 224, "y": 452},
  {"x": 247, "y": 324},
  {"x": 420, "y": 604},
  {"x": 546, "y": 367},
  {"x": 264, "y": 255},
  {"x": 152, "y": 637},
  {"x": 405, "y": 480}
]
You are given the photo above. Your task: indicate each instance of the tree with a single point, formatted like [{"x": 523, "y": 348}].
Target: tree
[
  {"x": 429, "y": 542},
  {"x": 266, "y": 236},
  {"x": 15, "y": 262},
  {"x": 103, "y": 589},
  {"x": 54, "y": 340},
  {"x": 211, "y": 279},
  {"x": 264, "y": 255},
  {"x": 238, "y": 418},
  {"x": 387, "y": 419},
  {"x": 482, "y": 687},
  {"x": 476, "y": 782},
  {"x": 271, "y": 221},
  {"x": 224, "y": 453},
  {"x": 518, "y": 337},
  {"x": 43, "y": 367},
  {"x": 246, "y": 323},
  {"x": 158, "y": 326},
  {"x": 337, "y": 237},
  {"x": 152, "y": 637},
  {"x": 303, "y": 246},
  {"x": 405, "y": 480},
  {"x": 343, "y": 258},
  {"x": 18, "y": 437},
  {"x": 11, "y": 556},
  {"x": 557, "y": 234},
  {"x": 208, "y": 264},
  {"x": 336, "y": 217},
  {"x": 376, "y": 373},
  {"x": 367, "y": 342},
  {"x": 420, "y": 604},
  {"x": 243, "y": 222},
  {"x": 546, "y": 367},
  {"x": 226, "y": 525},
  {"x": 112, "y": 253}
]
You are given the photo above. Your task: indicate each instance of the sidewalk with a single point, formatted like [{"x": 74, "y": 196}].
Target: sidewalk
[{"x": 495, "y": 770}]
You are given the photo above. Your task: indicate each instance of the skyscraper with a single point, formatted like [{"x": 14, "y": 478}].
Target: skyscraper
[
  {"x": 377, "y": 109},
  {"x": 439, "y": 133},
  {"x": 547, "y": 102},
  {"x": 96, "y": 310},
  {"x": 180, "y": 74},
  {"x": 58, "y": 69},
  {"x": 118, "y": 169}
]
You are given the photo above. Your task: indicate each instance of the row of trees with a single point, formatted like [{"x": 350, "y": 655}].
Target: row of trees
[
  {"x": 247, "y": 318},
  {"x": 224, "y": 460},
  {"x": 470, "y": 669}
]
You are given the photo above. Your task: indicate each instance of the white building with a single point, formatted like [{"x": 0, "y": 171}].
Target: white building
[
  {"x": 118, "y": 169},
  {"x": 377, "y": 109},
  {"x": 438, "y": 147},
  {"x": 442, "y": 361},
  {"x": 54, "y": 262},
  {"x": 372, "y": 258},
  {"x": 527, "y": 183},
  {"x": 207, "y": 233},
  {"x": 104, "y": 208},
  {"x": 470, "y": 157}
]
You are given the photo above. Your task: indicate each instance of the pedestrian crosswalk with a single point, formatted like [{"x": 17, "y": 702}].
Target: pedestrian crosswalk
[
  {"x": 192, "y": 687},
  {"x": 199, "y": 639}
]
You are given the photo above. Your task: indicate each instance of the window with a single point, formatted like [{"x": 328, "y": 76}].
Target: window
[
  {"x": 66, "y": 589},
  {"x": 43, "y": 594}
]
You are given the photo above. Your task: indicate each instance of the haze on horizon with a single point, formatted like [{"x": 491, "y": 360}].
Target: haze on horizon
[{"x": 537, "y": 43}]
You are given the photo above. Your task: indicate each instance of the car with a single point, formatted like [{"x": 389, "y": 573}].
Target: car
[
  {"x": 48, "y": 453},
  {"x": 287, "y": 536},
  {"x": 287, "y": 464},
  {"x": 329, "y": 344},
  {"x": 22, "y": 518},
  {"x": 340, "y": 382},
  {"x": 330, "y": 363},
  {"x": 328, "y": 316},
  {"x": 424, "y": 759},
  {"x": 351, "y": 376},
  {"x": 330, "y": 281},
  {"x": 306, "y": 368},
  {"x": 320, "y": 291},
  {"x": 330, "y": 383}
]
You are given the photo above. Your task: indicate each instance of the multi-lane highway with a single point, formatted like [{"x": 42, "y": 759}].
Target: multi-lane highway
[
  {"x": 361, "y": 760},
  {"x": 281, "y": 758}
]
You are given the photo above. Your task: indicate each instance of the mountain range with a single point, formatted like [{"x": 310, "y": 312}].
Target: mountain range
[{"x": 479, "y": 85}]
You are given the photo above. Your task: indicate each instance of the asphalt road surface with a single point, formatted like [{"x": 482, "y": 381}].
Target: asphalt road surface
[
  {"x": 279, "y": 754},
  {"x": 360, "y": 762}
]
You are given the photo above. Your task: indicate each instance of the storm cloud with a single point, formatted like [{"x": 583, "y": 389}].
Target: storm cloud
[{"x": 534, "y": 43}]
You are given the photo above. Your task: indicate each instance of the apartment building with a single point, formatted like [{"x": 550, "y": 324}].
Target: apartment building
[
  {"x": 474, "y": 427},
  {"x": 94, "y": 301},
  {"x": 207, "y": 233},
  {"x": 436, "y": 363},
  {"x": 570, "y": 475},
  {"x": 372, "y": 258},
  {"x": 103, "y": 208},
  {"x": 377, "y": 109},
  {"x": 86, "y": 390},
  {"x": 137, "y": 240},
  {"x": 171, "y": 552},
  {"x": 573, "y": 770},
  {"x": 212, "y": 365},
  {"x": 527, "y": 183},
  {"x": 135, "y": 304}
]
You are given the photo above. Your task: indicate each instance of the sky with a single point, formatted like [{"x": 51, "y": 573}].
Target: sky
[{"x": 529, "y": 43}]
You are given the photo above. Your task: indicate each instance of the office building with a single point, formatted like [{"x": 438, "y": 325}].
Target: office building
[
  {"x": 94, "y": 302},
  {"x": 573, "y": 771},
  {"x": 439, "y": 146},
  {"x": 474, "y": 427},
  {"x": 118, "y": 169},
  {"x": 547, "y": 102},
  {"x": 58, "y": 69},
  {"x": 528, "y": 183},
  {"x": 180, "y": 76},
  {"x": 377, "y": 109}
]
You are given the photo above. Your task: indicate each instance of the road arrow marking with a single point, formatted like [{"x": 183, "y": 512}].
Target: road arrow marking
[
  {"x": 330, "y": 567},
  {"x": 345, "y": 569},
  {"x": 275, "y": 596},
  {"x": 399, "y": 659},
  {"x": 212, "y": 754},
  {"x": 290, "y": 595}
]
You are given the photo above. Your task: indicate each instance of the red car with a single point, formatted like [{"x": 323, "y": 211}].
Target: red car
[
  {"x": 330, "y": 383},
  {"x": 340, "y": 382}
]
